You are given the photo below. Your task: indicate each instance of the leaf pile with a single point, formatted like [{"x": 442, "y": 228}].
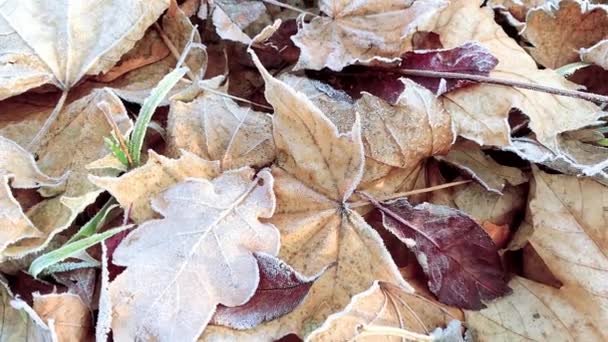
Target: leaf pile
[{"x": 245, "y": 170}]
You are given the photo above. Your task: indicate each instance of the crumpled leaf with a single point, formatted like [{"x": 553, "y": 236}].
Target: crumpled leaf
[
  {"x": 384, "y": 79},
  {"x": 199, "y": 255},
  {"x": 215, "y": 127},
  {"x": 281, "y": 289},
  {"x": 136, "y": 188},
  {"x": 231, "y": 17},
  {"x": 95, "y": 36},
  {"x": 469, "y": 157},
  {"x": 383, "y": 304},
  {"x": 359, "y": 31},
  {"x": 480, "y": 111},
  {"x": 455, "y": 253},
  {"x": 67, "y": 313},
  {"x": 15, "y": 224},
  {"x": 596, "y": 54},
  {"x": 557, "y": 32},
  {"x": 317, "y": 171}
]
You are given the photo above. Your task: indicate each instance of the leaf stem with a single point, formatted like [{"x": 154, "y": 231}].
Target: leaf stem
[
  {"x": 408, "y": 193},
  {"x": 371, "y": 330},
  {"x": 33, "y": 145},
  {"x": 500, "y": 81},
  {"x": 293, "y": 8}
]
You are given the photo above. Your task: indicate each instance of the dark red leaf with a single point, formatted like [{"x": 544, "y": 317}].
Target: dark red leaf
[
  {"x": 111, "y": 245},
  {"x": 456, "y": 254},
  {"x": 281, "y": 289},
  {"x": 383, "y": 79},
  {"x": 24, "y": 285}
]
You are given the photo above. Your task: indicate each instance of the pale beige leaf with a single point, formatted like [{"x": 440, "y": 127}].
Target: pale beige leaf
[
  {"x": 69, "y": 315},
  {"x": 317, "y": 171},
  {"x": 596, "y": 54},
  {"x": 231, "y": 17},
  {"x": 199, "y": 255},
  {"x": 569, "y": 221},
  {"x": 136, "y": 188},
  {"x": 215, "y": 127},
  {"x": 536, "y": 312},
  {"x": 382, "y": 304},
  {"x": 60, "y": 42},
  {"x": 360, "y": 30},
  {"x": 15, "y": 224},
  {"x": 480, "y": 112},
  {"x": 104, "y": 312},
  {"x": 558, "y": 31},
  {"x": 488, "y": 206},
  {"x": 469, "y": 157},
  {"x": 516, "y": 10}
]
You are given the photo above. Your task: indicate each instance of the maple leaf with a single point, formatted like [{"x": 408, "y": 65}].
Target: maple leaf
[
  {"x": 456, "y": 254},
  {"x": 202, "y": 248},
  {"x": 480, "y": 111},
  {"x": 136, "y": 188},
  {"x": 281, "y": 289},
  {"x": 384, "y": 79},
  {"x": 359, "y": 31},
  {"x": 217, "y": 128},
  {"x": 558, "y": 32},
  {"x": 36, "y": 53},
  {"x": 383, "y": 304}
]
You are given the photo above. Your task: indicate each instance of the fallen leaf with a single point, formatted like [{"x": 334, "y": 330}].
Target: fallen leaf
[
  {"x": 81, "y": 282},
  {"x": 499, "y": 234},
  {"x": 456, "y": 254},
  {"x": 215, "y": 127},
  {"x": 202, "y": 248},
  {"x": 16, "y": 225},
  {"x": 480, "y": 111},
  {"x": 231, "y": 17},
  {"x": 36, "y": 52},
  {"x": 484, "y": 205},
  {"x": 596, "y": 54},
  {"x": 557, "y": 32},
  {"x": 67, "y": 313},
  {"x": 518, "y": 9},
  {"x": 281, "y": 289},
  {"x": 383, "y": 304},
  {"x": 494, "y": 177},
  {"x": 359, "y": 31},
  {"x": 136, "y": 188}
]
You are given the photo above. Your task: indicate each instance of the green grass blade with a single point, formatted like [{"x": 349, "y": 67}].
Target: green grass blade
[
  {"x": 147, "y": 110},
  {"x": 70, "y": 249},
  {"x": 91, "y": 227}
]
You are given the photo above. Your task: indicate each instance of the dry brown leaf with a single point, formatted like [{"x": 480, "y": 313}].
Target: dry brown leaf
[
  {"x": 557, "y": 32},
  {"x": 596, "y": 54},
  {"x": 231, "y": 17},
  {"x": 484, "y": 205},
  {"x": 480, "y": 111},
  {"x": 382, "y": 304},
  {"x": 136, "y": 85},
  {"x": 70, "y": 317},
  {"x": 568, "y": 215},
  {"x": 360, "y": 31},
  {"x": 494, "y": 177},
  {"x": 199, "y": 255},
  {"x": 215, "y": 127},
  {"x": 317, "y": 171},
  {"x": 95, "y": 35},
  {"x": 138, "y": 187},
  {"x": 516, "y": 10}
]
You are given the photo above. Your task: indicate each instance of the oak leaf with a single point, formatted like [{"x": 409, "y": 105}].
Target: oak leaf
[
  {"x": 215, "y": 127},
  {"x": 36, "y": 52},
  {"x": 202, "y": 249},
  {"x": 136, "y": 188},
  {"x": 557, "y": 32},
  {"x": 359, "y": 31}
]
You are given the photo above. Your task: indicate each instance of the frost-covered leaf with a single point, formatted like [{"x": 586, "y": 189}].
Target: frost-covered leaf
[
  {"x": 215, "y": 127},
  {"x": 231, "y": 17},
  {"x": 596, "y": 54},
  {"x": 67, "y": 314},
  {"x": 383, "y": 304},
  {"x": 456, "y": 254},
  {"x": 136, "y": 188},
  {"x": 199, "y": 255},
  {"x": 357, "y": 31},
  {"x": 280, "y": 291},
  {"x": 558, "y": 31},
  {"x": 60, "y": 42}
]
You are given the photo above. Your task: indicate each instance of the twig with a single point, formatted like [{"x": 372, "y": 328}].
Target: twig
[
  {"x": 410, "y": 193},
  {"x": 33, "y": 145},
  {"x": 293, "y": 8},
  {"x": 371, "y": 330},
  {"x": 486, "y": 79},
  {"x": 236, "y": 98}
]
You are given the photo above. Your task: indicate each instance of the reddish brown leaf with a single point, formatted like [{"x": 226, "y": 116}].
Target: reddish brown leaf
[
  {"x": 111, "y": 244},
  {"x": 456, "y": 254},
  {"x": 382, "y": 79},
  {"x": 281, "y": 289}
]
